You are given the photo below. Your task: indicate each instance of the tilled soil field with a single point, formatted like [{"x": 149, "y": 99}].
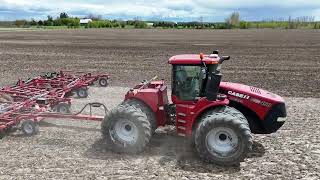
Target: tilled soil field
[
  {"x": 75, "y": 150},
  {"x": 285, "y": 62}
]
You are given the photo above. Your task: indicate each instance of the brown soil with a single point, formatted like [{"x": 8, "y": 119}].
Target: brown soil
[{"x": 283, "y": 61}]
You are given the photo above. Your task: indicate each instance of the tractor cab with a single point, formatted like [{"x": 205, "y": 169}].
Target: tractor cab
[{"x": 196, "y": 76}]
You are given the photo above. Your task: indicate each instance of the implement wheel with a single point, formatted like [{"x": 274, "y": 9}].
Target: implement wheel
[
  {"x": 103, "y": 82},
  {"x": 29, "y": 128},
  {"x": 126, "y": 129},
  {"x": 63, "y": 108},
  {"x": 223, "y": 138},
  {"x": 82, "y": 92}
]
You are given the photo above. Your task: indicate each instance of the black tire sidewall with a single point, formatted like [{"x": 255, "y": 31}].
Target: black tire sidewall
[
  {"x": 140, "y": 138},
  {"x": 203, "y": 134},
  {"x": 84, "y": 91},
  {"x": 147, "y": 110},
  {"x": 101, "y": 80},
  {"x": 34, "y": 125},
  {"x": 109, "y": 123}
]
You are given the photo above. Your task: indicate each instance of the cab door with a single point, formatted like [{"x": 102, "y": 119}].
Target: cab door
[{"x": 186, "y": 91}]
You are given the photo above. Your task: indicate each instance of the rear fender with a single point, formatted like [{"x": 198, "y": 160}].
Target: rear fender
[{"x": 193, "y": 112}]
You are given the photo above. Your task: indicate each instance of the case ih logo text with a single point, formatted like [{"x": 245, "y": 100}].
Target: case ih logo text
[{"x": 239, "y": 95}]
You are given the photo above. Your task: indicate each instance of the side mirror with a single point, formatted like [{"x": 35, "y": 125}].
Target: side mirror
[
  {"x": 226, "y": 57},
  {"x": 223, "y": 58}
]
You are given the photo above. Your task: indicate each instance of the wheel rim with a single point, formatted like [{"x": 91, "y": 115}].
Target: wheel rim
[
  {"x": 126, "y": 131},
  {"x": 28, "y": 128},
  {"x": 82, "y": 93},
  {"x": 222, "y": 140},
  {"x": 103, "y": 82}
]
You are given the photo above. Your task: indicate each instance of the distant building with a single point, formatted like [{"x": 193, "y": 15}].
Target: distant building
[
  {"x": 85, "y": 21},
  {"x": 150, "y": 24}
]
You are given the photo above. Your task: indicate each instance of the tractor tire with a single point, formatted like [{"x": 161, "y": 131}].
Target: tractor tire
[
  {"x": 147, "y": 110},
  {"x": 126, "y": 129},
  {"x": 227, "y": 109},
  {"x": 103, "y": 82},
  {"x": 82, "y": 93},
  {"x": 232, "y": 111},
  {"x": 29, "y": 128},
  {"x": 223, "y": 138}
]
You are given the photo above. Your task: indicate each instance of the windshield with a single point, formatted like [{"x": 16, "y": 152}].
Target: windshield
[{"x": 187, "y": 82}]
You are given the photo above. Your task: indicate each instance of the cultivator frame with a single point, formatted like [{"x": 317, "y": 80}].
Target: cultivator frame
[{"x": 39, "y": 97}]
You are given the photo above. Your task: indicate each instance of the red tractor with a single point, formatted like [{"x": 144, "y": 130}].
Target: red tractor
[{"x": 218, "y": 116}]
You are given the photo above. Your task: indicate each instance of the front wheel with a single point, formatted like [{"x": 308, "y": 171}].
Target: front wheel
[
  {"x": 126, "y": 129},
  {"x": 223, "y": 139}
]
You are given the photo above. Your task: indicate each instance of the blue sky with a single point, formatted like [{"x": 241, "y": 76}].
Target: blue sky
[{"x": 174, "y": 10}]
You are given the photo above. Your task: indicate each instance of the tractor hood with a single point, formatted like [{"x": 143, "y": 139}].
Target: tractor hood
[
  {"x": 242, "y": 91},
  {"x": 269, "y": 107}
]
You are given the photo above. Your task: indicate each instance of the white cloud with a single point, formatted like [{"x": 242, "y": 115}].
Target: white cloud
[{"x": 179, "y": 9}]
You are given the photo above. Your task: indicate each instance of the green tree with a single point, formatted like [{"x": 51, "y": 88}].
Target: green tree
[
  {"x": 40, "y": 23},
  {"x": 49, "y": 21},
  {"x": 33, "y": 22},
  {"x": 140, "y": 24},
  {"x": 63, "y": 15},
  {"x": 244, "y": 25},
  {"x": 233, "y": 20}
]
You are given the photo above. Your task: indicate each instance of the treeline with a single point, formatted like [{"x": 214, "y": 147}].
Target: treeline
[
  {"x": 74, "y": 22},
  {"x": 232, "y": 22},
  {"x": 62, "y": 20},
  {"x": 304, "y": 22},
  {"x": 116, "y": 24}
]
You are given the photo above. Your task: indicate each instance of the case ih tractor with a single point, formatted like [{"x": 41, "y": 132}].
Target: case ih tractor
[{"x": 218, "y": 116}]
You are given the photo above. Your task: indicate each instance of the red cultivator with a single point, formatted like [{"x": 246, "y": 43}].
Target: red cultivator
[{"x": 27, "y": 102}]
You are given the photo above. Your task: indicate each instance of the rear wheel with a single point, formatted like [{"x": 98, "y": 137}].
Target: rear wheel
[
  {"x": 223, "y": 138},
  {"x": 144, "y": 108},
  {"x": 126, "y": 129}
]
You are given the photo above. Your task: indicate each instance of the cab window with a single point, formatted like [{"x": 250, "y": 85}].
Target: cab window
[{"x": 187, "y": 82}]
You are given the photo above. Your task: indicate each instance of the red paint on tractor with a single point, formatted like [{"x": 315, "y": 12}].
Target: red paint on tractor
[{"x": 259, "y": 100}]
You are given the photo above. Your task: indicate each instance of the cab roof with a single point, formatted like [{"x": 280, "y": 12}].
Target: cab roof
[{"x": 194, "y": 59}]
